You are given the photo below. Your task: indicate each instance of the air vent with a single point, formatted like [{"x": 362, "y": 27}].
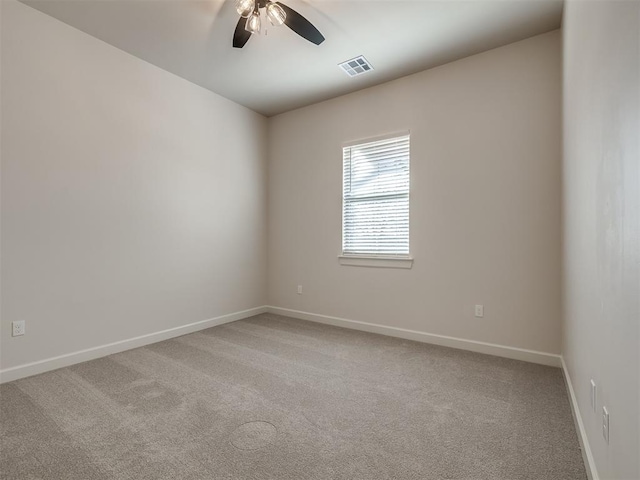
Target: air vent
[{"x": 356, "y": 66}]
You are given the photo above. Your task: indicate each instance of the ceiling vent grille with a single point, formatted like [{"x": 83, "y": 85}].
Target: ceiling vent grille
[{"x": 356, "y": 66}]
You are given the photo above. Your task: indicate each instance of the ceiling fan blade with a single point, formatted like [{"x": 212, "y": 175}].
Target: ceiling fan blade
[
  {"x": 301, "y": 25},
  {"x": 241, "y": 36}
]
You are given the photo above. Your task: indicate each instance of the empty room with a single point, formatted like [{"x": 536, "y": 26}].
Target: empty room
[{"x": 320, "y": 239}]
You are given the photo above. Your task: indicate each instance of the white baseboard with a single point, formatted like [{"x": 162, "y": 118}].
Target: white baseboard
[
  {"x": 532, "y": 356},
  {"x": 41, "y": 366},
  {"x": 587, "y": 456}
]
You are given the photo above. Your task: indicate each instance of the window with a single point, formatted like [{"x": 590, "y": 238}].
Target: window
[{"x": 375, "y": 199}]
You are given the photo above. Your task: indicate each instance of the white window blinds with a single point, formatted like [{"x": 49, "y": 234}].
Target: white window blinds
[{"x": 375, "y": 204}]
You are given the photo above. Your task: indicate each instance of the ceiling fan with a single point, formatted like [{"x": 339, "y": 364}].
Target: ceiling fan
[{"x": 277, "y": 13}]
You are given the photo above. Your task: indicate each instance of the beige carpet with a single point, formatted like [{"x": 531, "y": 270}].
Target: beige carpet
[{"x": 276, "y": 398}]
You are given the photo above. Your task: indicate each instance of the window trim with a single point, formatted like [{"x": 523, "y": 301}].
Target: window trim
[
  {"x": 377, "y": 138},
  {"x": 398, "y": 261},
  {"x": 403, "y": 261}
]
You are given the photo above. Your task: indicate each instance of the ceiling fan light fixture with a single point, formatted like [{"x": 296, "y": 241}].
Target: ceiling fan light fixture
[
  {"x": 276, "y": 14},
  {"x": 245, "y": 7},
  {"x": 253, "y": 23}
]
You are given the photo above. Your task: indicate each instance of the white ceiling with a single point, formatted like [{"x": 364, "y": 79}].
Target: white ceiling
[{"x": 282, "y": 71}]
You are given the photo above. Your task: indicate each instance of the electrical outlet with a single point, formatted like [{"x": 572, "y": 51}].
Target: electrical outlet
[
  {"x": 299, "y": 289},
  {"x": 479, "y": 311},
  {"x": 605, "y": 424},
  {"x": 18, "y": 328},
  {"x": 593, "y": 396}
]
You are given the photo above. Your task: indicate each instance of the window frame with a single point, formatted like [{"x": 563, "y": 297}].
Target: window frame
[{"x": 400, "y": 260}]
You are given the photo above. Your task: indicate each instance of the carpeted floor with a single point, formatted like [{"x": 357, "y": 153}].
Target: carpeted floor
[{"x": 271, "y": 397}]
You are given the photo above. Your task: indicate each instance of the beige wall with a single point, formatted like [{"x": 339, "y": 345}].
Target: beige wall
[
  {"x": 132, "y": 200},
  {"x": 602, "y": 224},
  {"x": 485, "y": 200}
]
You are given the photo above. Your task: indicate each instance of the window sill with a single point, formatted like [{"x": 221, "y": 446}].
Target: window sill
[{"x": 375, "y": 261}]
